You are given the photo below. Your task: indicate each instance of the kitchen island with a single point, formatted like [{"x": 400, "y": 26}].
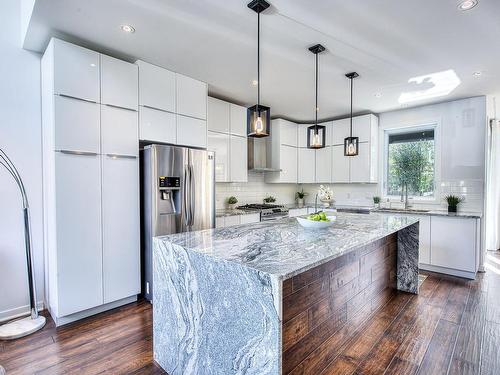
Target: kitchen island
[{"x": 264, "y": 298}]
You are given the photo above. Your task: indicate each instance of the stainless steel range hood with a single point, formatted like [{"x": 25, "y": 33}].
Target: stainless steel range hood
[{"x": 258, "y": 159}]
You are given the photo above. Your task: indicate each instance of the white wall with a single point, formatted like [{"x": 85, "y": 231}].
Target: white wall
[
  {"x": 20, "y": 138},
  {"x": 460, "y": 144}
]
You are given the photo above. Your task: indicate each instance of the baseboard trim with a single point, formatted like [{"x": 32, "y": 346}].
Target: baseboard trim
[
  {"x": 96, "y": 310},
  {"x": 19, "y": 312},
  {"x": 448, "y": 271}
]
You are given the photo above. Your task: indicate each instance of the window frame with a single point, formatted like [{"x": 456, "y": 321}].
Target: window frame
[{"x": 424, "y": 125}]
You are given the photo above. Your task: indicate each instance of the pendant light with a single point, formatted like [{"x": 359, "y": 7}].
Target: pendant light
[
  {"x": 258, "y": 116},
  {"x": 351, "y": 144},
  {"x": 316, "y": 134}
]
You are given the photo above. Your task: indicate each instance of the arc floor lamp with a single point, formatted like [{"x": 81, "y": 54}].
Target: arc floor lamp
[{"x": 34, "y": 322}]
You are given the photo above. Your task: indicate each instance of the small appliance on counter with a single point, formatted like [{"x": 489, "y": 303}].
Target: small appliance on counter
[
  {"x": 267, "y": 211},
  {"x": 178, "y": 195}
]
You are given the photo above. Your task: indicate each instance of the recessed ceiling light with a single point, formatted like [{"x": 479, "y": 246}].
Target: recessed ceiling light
[
  {"x": 477, "y": 73},
  {"x": 467, "y": 4},
  {"x": 255, "y": 82},
  {"x": 378, "y": 94},
  {"x": 127, "y": 29}
]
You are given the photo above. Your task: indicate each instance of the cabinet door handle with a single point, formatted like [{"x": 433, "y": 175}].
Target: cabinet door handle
[
  {"x": 81, "y": 153},
  {"x": 119, "y": 107},
  {"x": 119, "y": 156},
  {"x": 75, "y": 98},
  {"x": 156, "y": 109}
]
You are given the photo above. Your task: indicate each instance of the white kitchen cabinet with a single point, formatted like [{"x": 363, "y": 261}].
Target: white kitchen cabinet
[
  {"x": 238, "y": 159},
  {"x": 191, "y": 97},
  {"x": 285, "y": 131},
  {"x": 424, "y": 240},
  {"x": 238, "y": 120},
  {"x": 157, "y": 126},
  {"x": 78, "y": 238},
  {"x": 191, "y": 132},
  {"x": 75, "y": 71},
  {"x": 453, "y": 243},
  {"x": 302, "y": 135},
  {"x": 119, "y": 83},
  {"x": 360, "y": 164},
  {"x": 121, "y": 238},
  {"x": 229, "y": 221},
  {"x": 77, "y": 125},
  {"x": 324, "y": 165},
  {"x": 364, "y": 127},
  {"x": 282, "y": 152},
  {"x": 340, "y": 131},
  {"x": 249, "y": 218},
  {"x": 218, "y": 115},
  {"x": 156, "y": 87},
  {"x": 219, "y": 143},
  {"x": 306, "y": 166},
  {"x": 340, "y": 165},
  {"x": 119, "y": 131}
]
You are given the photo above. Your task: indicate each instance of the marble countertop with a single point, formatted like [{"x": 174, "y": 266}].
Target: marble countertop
[
  {"x": 283, "y": 248},
  {"x": 227, "y": 212},
  {"x": 464, "y": 214}
]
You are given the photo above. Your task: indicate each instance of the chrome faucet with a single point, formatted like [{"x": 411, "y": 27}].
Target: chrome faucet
[{"x": 404, "y": 192}]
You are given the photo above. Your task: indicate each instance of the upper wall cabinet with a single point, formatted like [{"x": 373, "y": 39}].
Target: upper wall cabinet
[
  {"x": 227, "y": 137},
  {"x": 156, "y": 87},
  {"x": 365, "y": 127},
  {"x": 76, "y": 71},
  {"x": 363, "y": 167},
  {"x": 238, "y": 120},
  {"x": 282, "y": 152},
  {"x": 191, "y": 97},
  {"x": 218, "y": 115},
  {"x": 119, "y": 83}
]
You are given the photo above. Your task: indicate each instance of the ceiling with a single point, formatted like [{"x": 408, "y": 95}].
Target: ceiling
[{"x": 386, "y": 41}]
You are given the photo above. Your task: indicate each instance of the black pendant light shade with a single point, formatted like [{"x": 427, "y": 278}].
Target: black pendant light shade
[
  {"x": 351, "y": 144},
  {"x": 258, "y": 116},
  {"x": 258, "y": 121},
  {"x": 316, "y": 134}
]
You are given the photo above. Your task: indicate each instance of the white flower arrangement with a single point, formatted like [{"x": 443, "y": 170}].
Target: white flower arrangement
[{"x": 325, "y": 193}]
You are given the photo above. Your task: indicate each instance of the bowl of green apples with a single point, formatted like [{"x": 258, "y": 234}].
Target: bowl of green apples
[{"x": 317, "y": 220}]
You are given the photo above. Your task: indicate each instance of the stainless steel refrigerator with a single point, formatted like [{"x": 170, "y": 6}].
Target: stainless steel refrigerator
[{"x": 178, "y": 195}]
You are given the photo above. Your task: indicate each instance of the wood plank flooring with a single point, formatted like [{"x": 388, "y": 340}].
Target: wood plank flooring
[{"x": 452, "y": 327}]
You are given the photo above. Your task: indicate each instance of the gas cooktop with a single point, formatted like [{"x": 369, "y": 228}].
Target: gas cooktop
[{"x": 267, "y": 211}]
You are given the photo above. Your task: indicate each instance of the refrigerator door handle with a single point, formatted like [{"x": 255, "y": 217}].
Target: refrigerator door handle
[
  {"x": 191, "y": 195},
  {"x": 185, "y": 200}
]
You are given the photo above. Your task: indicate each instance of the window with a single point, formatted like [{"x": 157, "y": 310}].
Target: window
[{"x": 410, "y": 162}]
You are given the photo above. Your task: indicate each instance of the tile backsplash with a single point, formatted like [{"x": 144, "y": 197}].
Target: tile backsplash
[{"x": 254, "y": 191}]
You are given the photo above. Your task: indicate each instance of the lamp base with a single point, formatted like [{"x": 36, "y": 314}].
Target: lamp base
[{"x": 21, "y": 327}]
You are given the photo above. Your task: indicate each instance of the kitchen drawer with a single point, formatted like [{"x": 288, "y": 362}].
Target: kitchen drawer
[{"x": 250, "y": 218}]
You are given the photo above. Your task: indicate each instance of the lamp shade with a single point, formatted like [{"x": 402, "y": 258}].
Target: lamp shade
[
  {"x": 351, "y": 146},
  {"x": 258, "y": 121},
  {"x": 316, "y": 136}
]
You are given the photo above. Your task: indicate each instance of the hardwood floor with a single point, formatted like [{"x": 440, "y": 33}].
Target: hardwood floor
[{"x": 452, "y": 327}]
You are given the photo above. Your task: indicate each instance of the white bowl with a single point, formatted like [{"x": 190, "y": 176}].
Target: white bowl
[{"x": 311, "y": 224}]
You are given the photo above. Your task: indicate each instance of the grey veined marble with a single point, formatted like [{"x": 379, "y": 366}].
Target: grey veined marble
[
  {"x": 217, "y": 298},
  {"x": 213, "y": 316}
]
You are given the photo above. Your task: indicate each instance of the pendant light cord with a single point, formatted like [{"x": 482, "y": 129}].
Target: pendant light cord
[
  {"x": 316, "y": 108},
  {"x": 258, "y": 63},
  {"x": 351, "y": 108}
]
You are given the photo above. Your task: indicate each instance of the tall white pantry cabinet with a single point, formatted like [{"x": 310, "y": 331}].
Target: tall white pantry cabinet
[{"x": 90, "y": 180}]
